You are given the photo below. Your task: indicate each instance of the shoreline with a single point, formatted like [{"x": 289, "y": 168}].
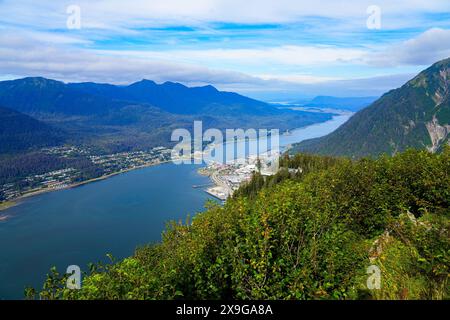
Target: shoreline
[
  {"x": 6, "y": 205},
  {"x": 225, "y": 191},
  {"x": 16, "y": 201}
]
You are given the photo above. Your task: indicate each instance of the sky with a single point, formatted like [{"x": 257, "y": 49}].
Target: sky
[{"x": 278, "y": 50}]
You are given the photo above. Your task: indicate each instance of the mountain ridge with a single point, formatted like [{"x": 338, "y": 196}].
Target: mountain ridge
[
  {"x": 195, "y": 100},
  {"x": 416, "y": 115},
  {"x": 38, "y": 94}
]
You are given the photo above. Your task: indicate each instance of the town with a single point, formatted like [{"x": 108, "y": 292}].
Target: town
[
  {"x": 225, "y": 177},
  {"x": 228, "y": 177}
]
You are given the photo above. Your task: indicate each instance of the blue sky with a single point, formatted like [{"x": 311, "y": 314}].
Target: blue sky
[{"x": 273, "y": 50}]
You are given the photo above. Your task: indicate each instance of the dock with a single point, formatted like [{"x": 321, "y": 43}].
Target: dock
[{"x": 200, "y": 186}]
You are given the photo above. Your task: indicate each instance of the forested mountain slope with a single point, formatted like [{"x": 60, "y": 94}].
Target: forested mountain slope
[
  {"x": 19, "y": 132},
  {"x": 416, "y": 115}
]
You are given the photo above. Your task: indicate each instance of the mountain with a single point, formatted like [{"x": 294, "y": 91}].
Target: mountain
[
  {"x": 345, "y": 103},
  {"x": 40, "y": 95},
  {"x": 417, "y": 115},
  {"x": 19, "y": 132},
  {"x": 179, "y": 99}
]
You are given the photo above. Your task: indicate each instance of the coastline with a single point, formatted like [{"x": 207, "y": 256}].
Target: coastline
[
  {"x": 6, "y": 205},
  {"x": 16, "y": 201},
  {"x": 221, "y": 190}
]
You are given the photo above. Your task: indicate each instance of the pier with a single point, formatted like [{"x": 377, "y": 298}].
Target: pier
[{"x": 199, "y": 186}]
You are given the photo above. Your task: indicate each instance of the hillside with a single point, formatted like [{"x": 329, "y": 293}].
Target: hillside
[
  {"x": 40, "y": 95},
  {"x": 416, "y": 115},
  {"x": 307, "y": 235},
  {"x": 19, "y": 132}
]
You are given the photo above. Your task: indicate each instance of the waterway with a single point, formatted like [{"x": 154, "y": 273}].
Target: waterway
[{"x": 81, "y": 225}]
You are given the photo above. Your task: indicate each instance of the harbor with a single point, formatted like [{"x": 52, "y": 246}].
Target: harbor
[{"x": 228, "y": 177}]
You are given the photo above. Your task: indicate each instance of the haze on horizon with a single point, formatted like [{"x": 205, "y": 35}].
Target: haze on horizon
[{"x": 264, "y": 49}]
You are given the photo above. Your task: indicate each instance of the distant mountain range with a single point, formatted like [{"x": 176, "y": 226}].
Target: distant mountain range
[
  {"x": 417, "y": 115},
  {"x": 179, "y": 99},
  {"x": 344, "y": 103},
  {"x": 41, "y": 95},
  {"x": 140, "y": 115}
]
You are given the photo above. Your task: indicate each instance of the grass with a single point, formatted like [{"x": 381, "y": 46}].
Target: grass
[{"x": 6, "y": 204}]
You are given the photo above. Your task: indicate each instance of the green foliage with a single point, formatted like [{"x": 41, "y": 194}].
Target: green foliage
[
  {"x": 295, "y": 168},
  {"x": 415, "y": 259},
  {"x": 310, "y": 235}
]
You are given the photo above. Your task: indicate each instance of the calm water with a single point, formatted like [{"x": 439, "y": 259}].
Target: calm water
[{"x": 81, "y": 225}]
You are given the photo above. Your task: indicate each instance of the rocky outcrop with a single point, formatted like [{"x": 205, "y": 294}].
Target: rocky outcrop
[{"x": 438, "y": 133}]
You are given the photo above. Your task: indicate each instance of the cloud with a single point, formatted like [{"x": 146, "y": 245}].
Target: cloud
[
  {"x": 358, "y": 87},
  {"x": 298, "y": 78},
  {"x": 427, "y": 48},
  {"x": 289, "y": 55},
  {"x": 35, "y": 53},
  {"x": 119, "y": 13},
  {"x": 23, "y": 55},
  {"x": 286, "y": 46}
]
